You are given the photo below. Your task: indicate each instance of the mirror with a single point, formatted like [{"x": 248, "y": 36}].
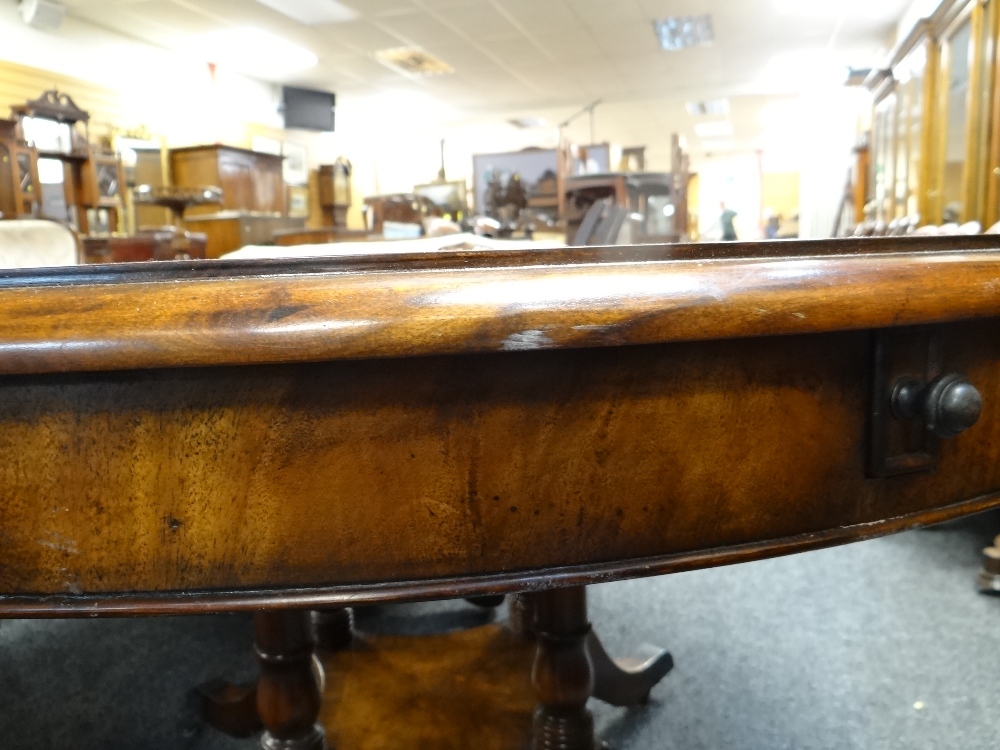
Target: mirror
[{"x": 53, "y": 178}]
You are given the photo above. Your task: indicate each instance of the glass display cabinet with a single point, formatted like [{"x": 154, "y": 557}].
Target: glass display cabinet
[
  {"x": 936, "y": 121},
  {"x": 20, "y": 190}
]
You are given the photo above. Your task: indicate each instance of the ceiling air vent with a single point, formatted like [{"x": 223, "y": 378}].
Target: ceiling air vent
[{"x": 414, "y": 62}]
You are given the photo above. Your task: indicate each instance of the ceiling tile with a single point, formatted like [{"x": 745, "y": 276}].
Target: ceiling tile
[
  {"x": 422, "y": 29},
  {"x": 517, "y": 52},
  {"x": 598, "y": 13},
  {"x": 466, "y": 57},
  {"x": 479, "y": 21},
  {"x": 380, "y": 8}
]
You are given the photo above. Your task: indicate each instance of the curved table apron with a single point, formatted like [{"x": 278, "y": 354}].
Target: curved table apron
[{"x": 220, "y": 436}]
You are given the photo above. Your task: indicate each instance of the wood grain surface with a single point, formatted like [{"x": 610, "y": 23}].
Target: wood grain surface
[
  {"x": 240, "y": 313},
  {"x": 303, "y": 485}
]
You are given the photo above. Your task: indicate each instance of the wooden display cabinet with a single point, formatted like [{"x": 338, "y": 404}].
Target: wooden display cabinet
[
  {"x": 92, "y": 178},
  {"x": 20, "y": 189},
  {"x": 251, "y": 181},
  {"x": 936, "y": 131}
]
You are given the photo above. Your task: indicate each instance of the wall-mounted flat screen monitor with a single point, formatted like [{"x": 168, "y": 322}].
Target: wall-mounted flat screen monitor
[{"x": 307, "y": 109}]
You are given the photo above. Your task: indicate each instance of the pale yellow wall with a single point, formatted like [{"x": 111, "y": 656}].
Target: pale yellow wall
[
  {"x": 19, "y": 83},
  {"x": 780, "y": 193}
]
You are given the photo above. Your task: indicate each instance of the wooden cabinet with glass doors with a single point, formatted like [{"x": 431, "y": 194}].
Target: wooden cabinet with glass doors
[{"x": 936, "y": 124}]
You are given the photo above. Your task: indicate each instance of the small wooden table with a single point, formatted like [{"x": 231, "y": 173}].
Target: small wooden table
[{"x": 280, "y": 436}]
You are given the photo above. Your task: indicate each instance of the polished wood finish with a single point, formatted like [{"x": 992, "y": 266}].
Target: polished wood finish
[
  {"x": 455, "y": 691},
  {"x": 227, "y": 232},
  {"x": 281, "y": 435},
  {"x": 626, "y": 682},
  {"x": 569, "y": 411},
  {"x": 163, "y": 244},
  {"x": 292, "y": 237},
  {"x": 290, "y": 687},
  {"x": 250, "y": 180},
  {"x": 563, "y": 675},
  {"x": 481, "y": 302}
]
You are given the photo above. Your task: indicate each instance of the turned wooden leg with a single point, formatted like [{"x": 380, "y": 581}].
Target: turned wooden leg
[
  {"x": 289, "y": 689},
  {"x": 521, "y": 615},
  {"x": 563, "y": 675},
  {"x": 334, "y": 628}
]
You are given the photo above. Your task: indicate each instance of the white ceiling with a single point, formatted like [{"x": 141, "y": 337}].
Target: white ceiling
[{"x": 553, "y": 56}]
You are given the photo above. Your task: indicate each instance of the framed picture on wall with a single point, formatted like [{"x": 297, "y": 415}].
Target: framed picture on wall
[
  {"x": 298, "y": 202},
  {"x": 295, "y": 167}
]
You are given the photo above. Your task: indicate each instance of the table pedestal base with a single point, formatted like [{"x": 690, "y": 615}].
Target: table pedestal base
[
  {"x": 571, "y": 666},
  {"x": 441, "y": 690}
]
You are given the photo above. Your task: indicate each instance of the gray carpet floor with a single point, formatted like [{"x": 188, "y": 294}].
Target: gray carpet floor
[{"x": 883, "y": 644}]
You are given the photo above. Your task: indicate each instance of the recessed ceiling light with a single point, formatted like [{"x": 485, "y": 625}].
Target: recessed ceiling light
[
  {"x": 682, "y": 32},
  {"x": 413, "y": 61},
  {"x": 719, "y": 129},
  {"x": 528, "y": 122},
  {"x": 242, "y": 50},
  {"x": 709, "y": 107},
  {"x": 312, "y": 12}
]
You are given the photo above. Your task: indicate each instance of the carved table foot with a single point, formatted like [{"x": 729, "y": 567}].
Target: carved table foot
[
  {"x": 989, "y": 574},
  {"x": 626, "y": 682},
  {"x": 228, "y": 708}
]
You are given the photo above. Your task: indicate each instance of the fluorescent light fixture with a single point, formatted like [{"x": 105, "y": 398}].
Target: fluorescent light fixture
[
  {"x": 528, "y": 122},
  {"x": 719, "y": 144},
  {"x": 718, "y": 129},
  {"x": 709, "y": 108},
  {"x": 682, "y": 32},
  {"x": 255, "y": 52},
  {"x": 312, "y": 12}
]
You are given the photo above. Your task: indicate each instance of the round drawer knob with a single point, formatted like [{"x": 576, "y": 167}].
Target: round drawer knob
[
  {"x": 948, "y": 405},
  {"x": 951, "y": 406}
]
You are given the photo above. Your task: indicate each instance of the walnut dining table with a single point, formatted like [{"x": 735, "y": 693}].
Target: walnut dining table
[{"x": 286, "y": 435}]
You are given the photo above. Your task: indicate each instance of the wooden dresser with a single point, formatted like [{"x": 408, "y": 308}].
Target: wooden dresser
[
  {"x": 253, "y": 195},
  {"x": 250, "y": 180},
  {"x": 231, "y": 230}
]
